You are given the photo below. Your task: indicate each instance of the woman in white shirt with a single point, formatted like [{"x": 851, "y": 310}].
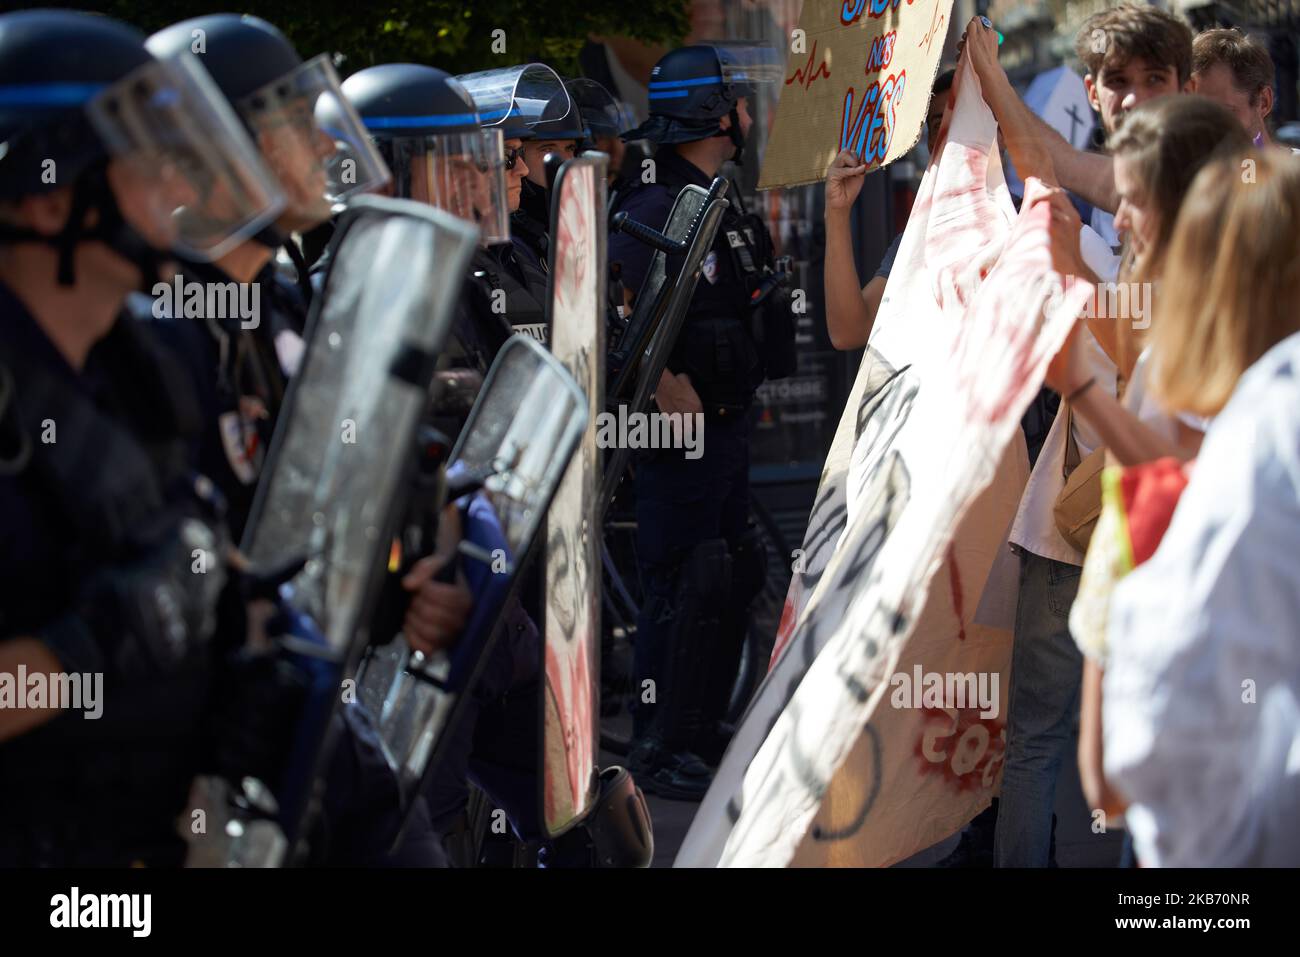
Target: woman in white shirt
[{"x": 1202, "y": 689}]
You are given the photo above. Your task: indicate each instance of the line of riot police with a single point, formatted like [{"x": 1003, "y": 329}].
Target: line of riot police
[{"x": 299, "y": 550}]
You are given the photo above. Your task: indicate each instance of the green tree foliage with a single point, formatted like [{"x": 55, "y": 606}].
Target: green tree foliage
[{"x": 454, "y": 35}]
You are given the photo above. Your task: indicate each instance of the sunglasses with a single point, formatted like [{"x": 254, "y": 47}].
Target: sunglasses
[{"x": 512, "y": 154}]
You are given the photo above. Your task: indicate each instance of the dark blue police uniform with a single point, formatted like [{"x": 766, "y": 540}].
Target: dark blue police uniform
[{"x": 684, "y": 502}]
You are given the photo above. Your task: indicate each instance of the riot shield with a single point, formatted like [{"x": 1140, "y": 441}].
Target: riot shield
[
  {"x": 516, "y": 444},
  {"x": 569, "y": 704},
  {"x": 641, "y": 355},
  {"x": 336, "y": 480}
]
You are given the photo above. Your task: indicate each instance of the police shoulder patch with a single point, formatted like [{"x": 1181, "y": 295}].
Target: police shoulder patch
[{"x": 710, "y": 267}]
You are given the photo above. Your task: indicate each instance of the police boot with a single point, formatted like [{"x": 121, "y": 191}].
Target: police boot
[{"x": 663, "y": 763}]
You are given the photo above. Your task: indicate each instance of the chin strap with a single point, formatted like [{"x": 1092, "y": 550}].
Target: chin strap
[
  {"x": 92, "y": 191},
  {"x": 270, "y": 237},
  {"x": 737, "y": 137},
  {"x": 302, "y": 271}
]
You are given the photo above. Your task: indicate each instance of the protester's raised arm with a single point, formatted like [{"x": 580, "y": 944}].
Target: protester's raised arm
[
  {"x": 1090, "y": 175},
  {"x": 1035, "y": 147},
  {"x": 848, "y": 314},
  {"x": 1022, "y": 138}
]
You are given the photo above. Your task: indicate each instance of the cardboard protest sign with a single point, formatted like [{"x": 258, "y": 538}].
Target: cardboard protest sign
[
  {"x": 879, "y": 728},
  {"x": 858, "y": 78}
]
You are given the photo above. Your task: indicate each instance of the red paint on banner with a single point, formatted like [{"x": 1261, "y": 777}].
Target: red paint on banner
[
  {"x": 954, "y": 576},
  {"x": 964, "y": 749},
  {"x": 806, "y": 74}
]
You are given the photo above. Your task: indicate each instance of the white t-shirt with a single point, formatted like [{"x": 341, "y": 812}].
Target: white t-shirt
[
  {"x": 1202, "y": 691},
  {"x": 1103, "y": 224},
  {"x": 1034, "y": 529},
  {"x": 1139, "y": 401}
]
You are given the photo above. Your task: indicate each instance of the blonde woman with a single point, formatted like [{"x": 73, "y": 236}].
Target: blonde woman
[{"x": 1202, "y": 689}]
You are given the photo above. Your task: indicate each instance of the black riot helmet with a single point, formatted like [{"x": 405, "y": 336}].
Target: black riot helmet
[
  {"x": 153, "y": 153},
  {"x": 427, "y": 130},
  {"x": 602, "y": 115},
  {"x": 297, "y": 115},
  {"x": 694, "y": 87},
  {"x": 560, "y": 119}
]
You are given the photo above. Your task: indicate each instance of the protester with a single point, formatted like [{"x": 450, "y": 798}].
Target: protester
[
  {"x": 1235, "y": 71},
  {"x": 1157, "y": 151},
  {"x": 850, "y": 310},
  {"x": 1131, "y": 54},
  {"x": 1201, "y": 693}
]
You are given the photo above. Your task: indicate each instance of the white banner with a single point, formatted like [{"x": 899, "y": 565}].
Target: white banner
[{"x": 848, "y": 755}]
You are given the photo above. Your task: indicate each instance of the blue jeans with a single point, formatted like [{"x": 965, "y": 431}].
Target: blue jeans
[{"x": 1046, "y": 672}]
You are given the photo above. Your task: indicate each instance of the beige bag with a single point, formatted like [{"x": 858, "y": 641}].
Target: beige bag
[{"x": 1079, "y": 504}]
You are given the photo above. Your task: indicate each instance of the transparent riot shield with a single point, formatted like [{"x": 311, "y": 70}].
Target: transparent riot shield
[
  {"x": 511, "y": 455},
  {"x": 336, "y": 479},
  {"x": 639, "y": 358},
  {"x": 570, "y": 705}
]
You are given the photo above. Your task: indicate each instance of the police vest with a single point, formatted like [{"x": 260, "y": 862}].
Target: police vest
[
  {"x": 723, "y": 342},
  {"x": 119, "y": 490},
  {"x": 507, "y": 284}
]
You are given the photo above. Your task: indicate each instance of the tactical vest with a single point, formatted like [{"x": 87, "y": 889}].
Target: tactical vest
[
  {"x": 507, "y": 289},
  {"x": 118, "y": 488},
  {"x": 720, "y": 345}
]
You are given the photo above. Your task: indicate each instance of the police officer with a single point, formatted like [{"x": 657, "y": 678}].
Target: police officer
[
  {"x": 604, "y": 119},
  {"x": 428, "y": 130},
  {"x": 112, "y": 562},
  {"x": 509, "y": 279},
  {"x": 425, "y": 125},
  {"x": 317, "y": 147},
  {"x": 243, "y": 361},
  {"x": 694, "y": 538},
  {"x": 558, "y": 131}
]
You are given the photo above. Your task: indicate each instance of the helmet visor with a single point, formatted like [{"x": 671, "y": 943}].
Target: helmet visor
[
  {"x": 200, "y": 186},
  {"x": 749, "y": 67},
  {"x": 462, "y": 173},
  {"x": 517, "y": 98},
  {"x": 313, "y": 140}
]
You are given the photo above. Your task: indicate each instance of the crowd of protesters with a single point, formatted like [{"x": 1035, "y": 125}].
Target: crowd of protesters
[{"x": 1158, "y": 595}]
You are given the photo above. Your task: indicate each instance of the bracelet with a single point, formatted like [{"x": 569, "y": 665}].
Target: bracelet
[{"x": 1082, "y": 389}]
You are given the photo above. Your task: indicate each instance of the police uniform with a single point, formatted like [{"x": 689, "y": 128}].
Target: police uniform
[
  {"x": 505, "y": 293},
  {"x": 683, "y": 502},
  {"x": 240, "y": 379},
  {"x": 701, "y": 563},
  {"x": 102, "y": 526}
]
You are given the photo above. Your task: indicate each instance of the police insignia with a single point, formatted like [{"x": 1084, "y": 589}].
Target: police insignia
[{"x": 710, "y": 267}]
